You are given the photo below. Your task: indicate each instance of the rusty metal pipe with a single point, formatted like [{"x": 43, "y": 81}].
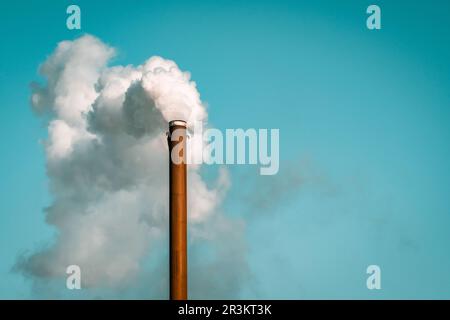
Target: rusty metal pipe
[{"x": 178, "y": 210}]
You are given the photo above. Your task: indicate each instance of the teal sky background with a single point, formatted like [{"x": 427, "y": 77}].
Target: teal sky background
[{"x": 364, "y": 124}]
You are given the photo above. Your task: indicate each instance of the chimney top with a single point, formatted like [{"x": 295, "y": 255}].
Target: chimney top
[{"x": 181, "y": 123}]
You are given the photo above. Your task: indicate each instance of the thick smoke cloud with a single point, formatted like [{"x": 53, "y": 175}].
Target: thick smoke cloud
[{"x": 107, "y": 166}]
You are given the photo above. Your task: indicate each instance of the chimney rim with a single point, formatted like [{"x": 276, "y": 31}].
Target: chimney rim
[{"x": 181, "y": 123}]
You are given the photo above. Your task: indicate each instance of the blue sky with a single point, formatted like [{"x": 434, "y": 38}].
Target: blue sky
[{"x": 363, "y": 118}]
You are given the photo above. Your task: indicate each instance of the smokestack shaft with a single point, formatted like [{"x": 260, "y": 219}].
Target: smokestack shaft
[{"x": 178, "y": 210}]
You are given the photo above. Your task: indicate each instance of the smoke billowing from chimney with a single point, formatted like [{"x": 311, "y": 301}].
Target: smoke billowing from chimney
[{"x": 107, "y": 166}]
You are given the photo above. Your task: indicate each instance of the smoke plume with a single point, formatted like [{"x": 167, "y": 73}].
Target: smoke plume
[{"x": 107, "y": 164}]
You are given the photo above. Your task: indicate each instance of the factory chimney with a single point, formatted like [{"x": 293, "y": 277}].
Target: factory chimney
[{"x": 178, "y": 209}]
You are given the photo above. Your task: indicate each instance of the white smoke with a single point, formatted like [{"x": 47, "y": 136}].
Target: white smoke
[{"x": 107, "y": 164}]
